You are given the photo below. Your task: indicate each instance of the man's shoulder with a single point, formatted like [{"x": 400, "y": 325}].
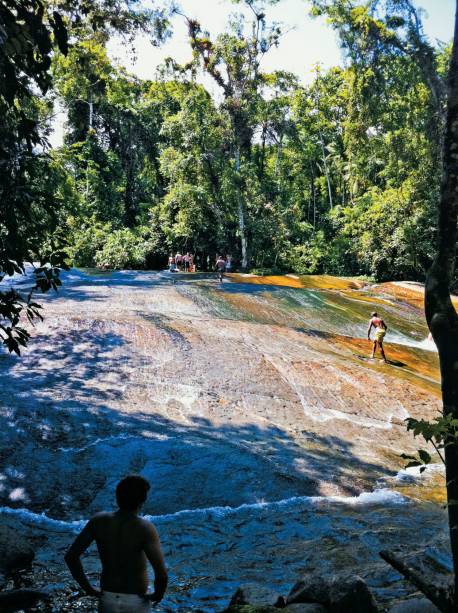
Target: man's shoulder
[
  {"x": 147, "y": 527},
  {"x": 101, "y": 517}
]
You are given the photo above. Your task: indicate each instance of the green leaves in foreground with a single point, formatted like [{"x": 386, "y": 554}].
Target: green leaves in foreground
[
  {"x": 440, "y": 433},
  {"x": 422, "y": 460},
  {"x": 15, "y": 306}
]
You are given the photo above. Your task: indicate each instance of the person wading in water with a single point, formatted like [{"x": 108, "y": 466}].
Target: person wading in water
[
  {"x": 125, "y": 543},
  {"x": 380, "y": 331}
]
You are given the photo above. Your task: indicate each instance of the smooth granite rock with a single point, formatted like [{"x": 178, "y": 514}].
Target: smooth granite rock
[
  {"x": 15, "y": 551},
  {"x": 415, "y": 605}
]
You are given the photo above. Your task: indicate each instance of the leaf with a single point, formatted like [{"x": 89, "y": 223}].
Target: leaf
[
  {"x": 424, "y": 456},
  {"x": 60, "y": 32}
]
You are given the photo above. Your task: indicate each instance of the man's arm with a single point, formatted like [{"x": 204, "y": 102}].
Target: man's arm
[
  {"x": 153, "y": 552},
  {"x": 73, "y": 555},
  {"x": 369, "y": 330}
]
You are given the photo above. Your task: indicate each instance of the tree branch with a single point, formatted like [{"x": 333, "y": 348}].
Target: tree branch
[{"x": 438, "y": 595}]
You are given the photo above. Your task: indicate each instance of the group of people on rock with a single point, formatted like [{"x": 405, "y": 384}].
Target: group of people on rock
[
  {"x": 185, "y": 263},
  {"x": 178, "y": 262}
]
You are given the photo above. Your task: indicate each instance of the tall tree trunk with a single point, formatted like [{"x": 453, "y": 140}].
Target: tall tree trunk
[
  {"x": 91, "y": 110},
  {"x": 312, "y": 186},
  {"x": 440, "y": 313},
  {"x": 241, "y": 212},
  {"x": 279, "y": 156},
  {"x": 326, "y": 171},
  {"x": 263, "y": 153}
]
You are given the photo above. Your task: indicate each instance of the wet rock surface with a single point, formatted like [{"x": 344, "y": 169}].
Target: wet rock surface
[
  {"x": 306, "y": 608},
  {"x": 351, "y": 596},
  {"x": 272, "y": 442},
  {"x": 337, "y": 594},
  {"x": 255, "y": 594},
  {"x": 415, "y": 605},
  {"x": 22, "y": 599},
  {"x": 310, "y": 589},
  {"x": 16, "y": 552},
  {"x": 251, "y": 609}
]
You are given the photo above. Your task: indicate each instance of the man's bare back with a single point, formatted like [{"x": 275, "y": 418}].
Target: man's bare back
[
  {"x": 125, "y": 542},
  {"x": 380, "y": 331}
]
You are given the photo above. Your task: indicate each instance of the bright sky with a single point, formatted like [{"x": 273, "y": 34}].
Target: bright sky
[{"x": 306, "y": 42}]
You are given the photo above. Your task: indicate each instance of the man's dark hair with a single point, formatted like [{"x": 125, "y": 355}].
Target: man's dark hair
[
  {"x": 131, "y": 492},
  {"x": 374, "y": 314}
]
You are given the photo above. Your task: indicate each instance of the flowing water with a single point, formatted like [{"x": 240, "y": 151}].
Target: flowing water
[{"x": 271, "y": 440}]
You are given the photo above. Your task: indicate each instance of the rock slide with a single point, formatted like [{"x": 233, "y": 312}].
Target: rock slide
[{"x": 272, "y": 443}]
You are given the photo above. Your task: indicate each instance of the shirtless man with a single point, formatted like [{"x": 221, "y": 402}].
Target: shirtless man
[
  {"x": 380, "y": 331},
  {"x": 186, "y": 262},
  {"x": 220, "y": 267},
  {"x": 125, "y": 542}
]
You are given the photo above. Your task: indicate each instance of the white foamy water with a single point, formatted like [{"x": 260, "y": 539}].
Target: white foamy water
[
  {"x": 401, "y": 339},
  {"x": 413, "y": 472},
  {"x": 384, "y": 497}
]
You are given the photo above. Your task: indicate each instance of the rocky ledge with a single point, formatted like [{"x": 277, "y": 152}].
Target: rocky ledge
[
  {"x": 318, "y": 594},
  {"x": 16, "y": 555}
]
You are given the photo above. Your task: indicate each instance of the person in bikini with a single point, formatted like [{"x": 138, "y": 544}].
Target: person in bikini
[
  {"x": 125, "y": 542},
  {"x": 380, "y": 331}
]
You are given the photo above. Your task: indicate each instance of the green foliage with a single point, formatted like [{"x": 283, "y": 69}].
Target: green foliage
[
  {"x": 126, "y": 249},
  {"x": 97, "y": 244},
  {"x": 87, "y": 240},
  {"x": 341, "y": 176},
  {"x": 383, "y": 228},
  {"x": 441, "y": 432}
]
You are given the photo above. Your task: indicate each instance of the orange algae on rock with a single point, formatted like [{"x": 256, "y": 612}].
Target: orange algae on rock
[
  {"x": 406, "y": 361},
  {"x": 406, "y": 291},
  {"x": 429, "y": 487},
  {"x": 331, "y": 282},
  {"x": 411, "y": 294},
  {"x": 280, "y": 280},
  {"x": 303, "y": 281}
]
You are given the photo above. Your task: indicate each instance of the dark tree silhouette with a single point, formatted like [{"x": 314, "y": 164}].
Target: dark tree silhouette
[{"x": 440, "y": 313}]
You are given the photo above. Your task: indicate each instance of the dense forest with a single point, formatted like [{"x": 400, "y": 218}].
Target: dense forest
[{"x": 340, "y": 176}]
